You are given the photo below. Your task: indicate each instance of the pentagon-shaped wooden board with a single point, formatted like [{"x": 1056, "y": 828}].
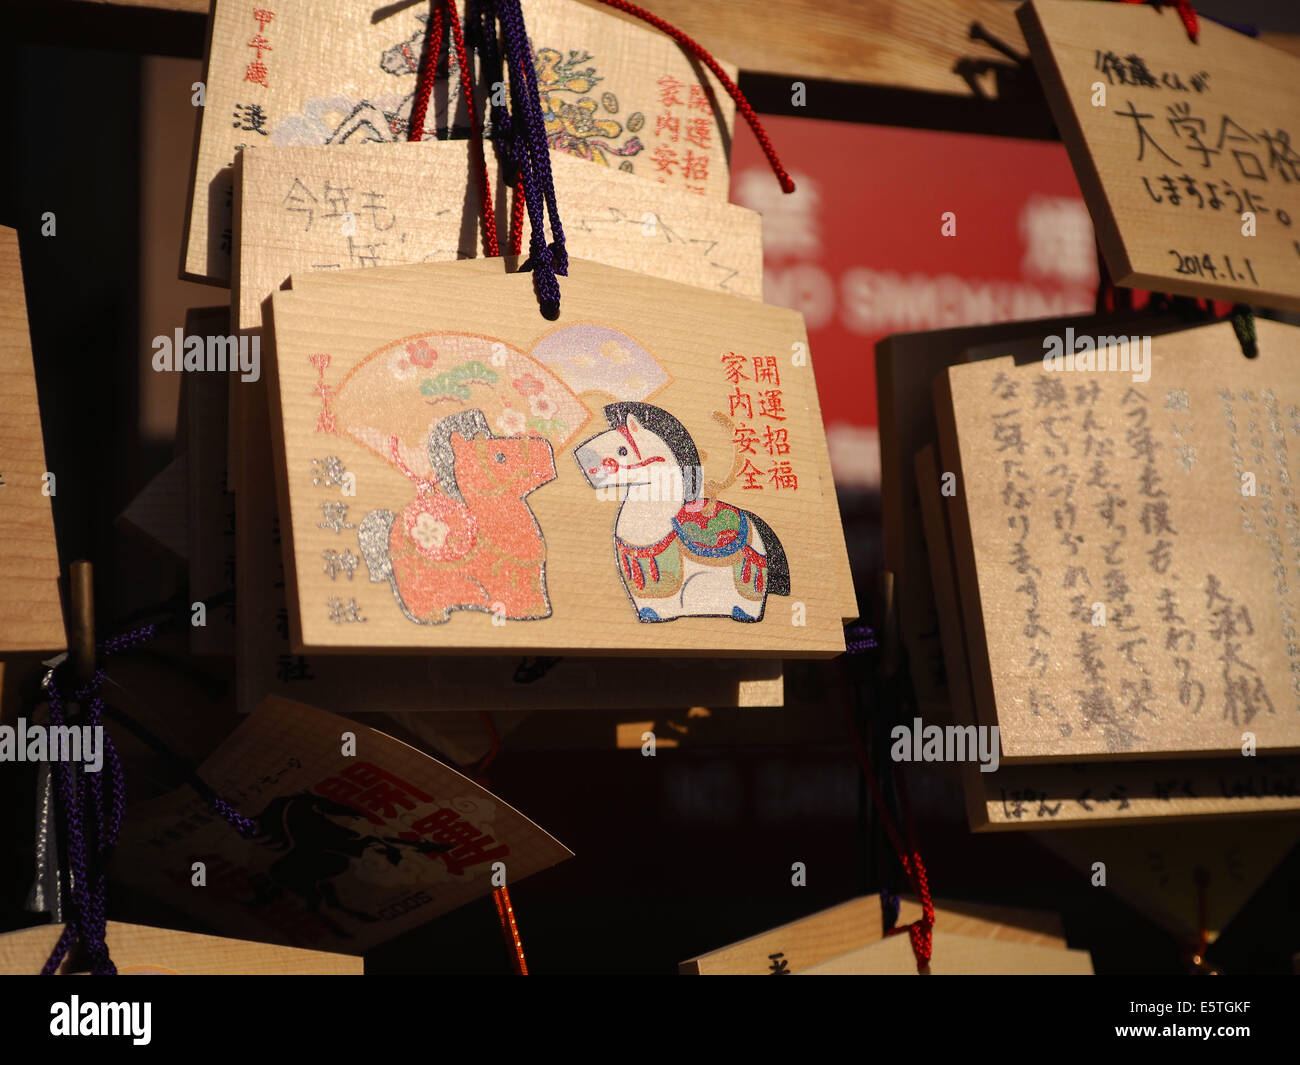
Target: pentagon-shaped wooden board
[
  {"x": 614, "y": 93},
  {"x": 361, "y": 392}
]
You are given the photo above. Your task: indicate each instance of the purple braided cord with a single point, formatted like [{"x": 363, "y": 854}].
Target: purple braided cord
[
  {"x": 859, "y": 639},
  {"x": 485, "y": 41},
  {"x": 81, "y": 792},
  {"x": 75, "y": 844},
  {"x": 539, "y": 144},
  {"x": 245, "y": 826},
  {"x": 88, "y": 913},
  {"x": 533, "y": 157}
]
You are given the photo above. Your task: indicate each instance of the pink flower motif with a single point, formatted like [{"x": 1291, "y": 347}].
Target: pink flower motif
[
  {"x": 528, "y": 385},
  {"x": 543, "y": 407},
  {"x": 511, "y": 422},
  {"x": 421, "y": 354}
]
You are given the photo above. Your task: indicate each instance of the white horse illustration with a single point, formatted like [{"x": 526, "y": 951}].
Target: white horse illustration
[{"x": 679, "y": 555}]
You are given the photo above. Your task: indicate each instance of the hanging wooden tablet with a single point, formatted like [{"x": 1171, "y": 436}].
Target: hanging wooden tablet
[
  {"x": 425, "y": 207},
  {"x": 1084, "y": 793},
  {"x": 1127, "y": 544},
  {"x": 139, "y": 950},
  {"x": 266, "y": 664},
  {"x": 1184, "y": 151},
  {"x": 831, "y": 933},
  {"x": 359, "y": 839},
  {"x": 840, "y": 577},
  {"x": 31, "y": 613},
  {"x": 956, "y": 955},
  {"x": 501, "y": 546},
  {"x": 329, "y": 72},
  {"x": 906, "y": 366}
]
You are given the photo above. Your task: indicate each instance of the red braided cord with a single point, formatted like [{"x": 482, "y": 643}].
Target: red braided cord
[
  {"x": 517, "y": 219},
  {"x": 1185, "y": 11},
  {"x": 420, "y": 104},
  {"x": 501, "y": 896},
  {"x": 506, "y": 915},
  {"x": 444, "y": 11},
  {"x": 920, "y": 930},
  {"x": 490, "y": 241},
  {"x": 922, "y": 938},
  {"x": 698, "y": 51}
]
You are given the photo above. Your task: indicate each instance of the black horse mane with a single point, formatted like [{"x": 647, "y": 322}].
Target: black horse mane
[{"x": 673, "y": 433}]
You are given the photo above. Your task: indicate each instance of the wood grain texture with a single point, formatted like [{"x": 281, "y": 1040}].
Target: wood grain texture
[
  {"x": 333, "y": 76},
  {"x": 841, "y": 577},
  {"x": 920, "y": 44},
  {"x": 348, "y": 684},
  {"x": 427, "y": 210},
  {"x": 285, "y": 766},
  {"x": 906, "y": 366},
  {"x": 1084, "y": 794},
  {"x": 831, "y": 933},
  {"x": 1184, "y": 236},
  {"x": 474, "y": 296},
  {"x": 860, "y": 41},
  {"x": 31, "y": 612},
  {"x": 1179, "y": 447},
  {"x": 139, "y": 950},
  {"x": 956, "y": 955}
]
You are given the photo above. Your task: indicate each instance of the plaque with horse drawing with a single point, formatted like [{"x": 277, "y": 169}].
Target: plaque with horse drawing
[{"x": 643, "y": 476}]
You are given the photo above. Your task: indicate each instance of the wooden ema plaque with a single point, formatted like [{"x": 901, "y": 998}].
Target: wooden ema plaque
[
  {"x": 345, "y": 684},
  {"x": 580, "y": 563},
  {"x": 841, "y": 578},
  {"x": 831, "y": 933},
  {"x": 906, "y": 366},
  {"x": 139, "y": 950},
  {"x": 1188, "y": 167},
  {"x": 1084, "y": 793},
  {"x": 31, "y": 612},
  {"x": 427, "y": 209},
  {"x": 356, "y": 844},
  {"x": 1127, "y": 544},
  {"x": 617, "y": 94},
  {"x": 956, "y": 955}
]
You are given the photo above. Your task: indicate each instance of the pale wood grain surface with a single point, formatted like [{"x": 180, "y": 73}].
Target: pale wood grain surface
[
  {"x": 352, "y": 83},
  {"x": 1198, "y": 378},
  {"x": 139, "y": 950},
  {"x": 401, "y": 683},
  {"x": 31, "y": 613},
  {"x": 1083, "y": 794},
  {"x": 827, "y": 934},
  {"x": 427, "y": 209},
  {"x": 700, "y": 324},
  {"x": 956, "y": 955},
  {"x": 1123, "y": 152}
]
